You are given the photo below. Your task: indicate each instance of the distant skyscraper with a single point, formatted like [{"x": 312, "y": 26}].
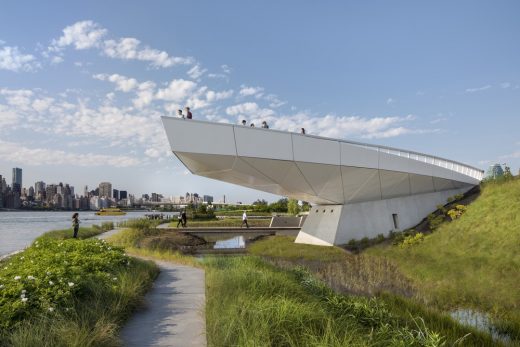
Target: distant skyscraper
[
  {"x": 105, "y": 189},
  {"x": 123, "y": 194},
  {"x": 495, "y": 171},
  {"x": 17, "y": 180},
  {"x": 39, "y": 190},
  {"x": 115, "y": 194}
]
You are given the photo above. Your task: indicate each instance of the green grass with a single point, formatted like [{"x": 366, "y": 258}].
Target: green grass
[
  {"x": 83, "y": 233},
  {"x": 252, "y": 303},
  {"x": 140, "y": 240},
  {"x": 473, "y": 261},
  {"x": 227, "y": 222},
  {"x": 285, "y": 248}
]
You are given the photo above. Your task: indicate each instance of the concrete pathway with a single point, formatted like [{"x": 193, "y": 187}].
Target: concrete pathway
[
  {"x": 174, "y": 311},
  {"x": 164, "y": 226}
]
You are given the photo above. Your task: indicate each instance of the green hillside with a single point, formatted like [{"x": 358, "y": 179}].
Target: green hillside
[{"x": 473, "y": 261}]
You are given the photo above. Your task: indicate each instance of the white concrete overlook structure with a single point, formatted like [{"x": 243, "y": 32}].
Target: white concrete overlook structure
[{"x": 359, "y": 190}]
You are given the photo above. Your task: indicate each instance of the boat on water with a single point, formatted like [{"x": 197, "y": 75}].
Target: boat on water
[{"x": 110, "y": 212}]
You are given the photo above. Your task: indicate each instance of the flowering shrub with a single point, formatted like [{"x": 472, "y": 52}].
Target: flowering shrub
[
  {"x": 50, "y": 274},
  {"x": 412, "y": 240},
  {"x": 456, "y": 212}
]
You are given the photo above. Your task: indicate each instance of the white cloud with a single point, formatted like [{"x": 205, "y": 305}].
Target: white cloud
[
  {"x": 123, "y": 83},
  {"x": 250, "y": 109},
  {"x": 88, "y": 34},
  {"x": 335, "y": 126},
  {"x": 145, "y": 94},
  {"x": 390, "y": 101},
  {"x": 82, "y": 35},
  {"x": 225, "y": 68},
  {"x": 177, "y": 90},
  {"x": 43, "y": 104},
  {"x": 7, "y": 117},
  {"x": 514, "y": 155},
  {"x": 216, "y": 96},
  {"x": 18, "y": 153},
  {"x": 20, "y": 98},
  {"x": 505, "y": 85},
  {"x": 196, "y": 72},
  {"x": 478, "y": 89},
  {"x": 248, "y": 91},
  {"x": 129, "y": 48},
  {"x": 13, "y": 60}
]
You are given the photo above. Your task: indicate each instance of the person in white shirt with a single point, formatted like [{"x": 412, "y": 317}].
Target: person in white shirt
[
  {"x": 244, "y": 220},
  {"x": 179, "y": 114}
]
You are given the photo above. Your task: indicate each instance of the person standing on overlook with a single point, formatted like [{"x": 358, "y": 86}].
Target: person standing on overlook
[
  {"x": 179, "y": 114},
  {"x": 75, "y": 224},
  {"x": 264, "y": 125},
  {"x": 188, "y": 113}
]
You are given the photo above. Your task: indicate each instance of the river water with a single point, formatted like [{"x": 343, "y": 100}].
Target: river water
[{"x": 18, "y": 229}]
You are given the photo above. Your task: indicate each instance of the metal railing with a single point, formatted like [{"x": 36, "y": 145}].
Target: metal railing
[{"x": 432, "y": 160}]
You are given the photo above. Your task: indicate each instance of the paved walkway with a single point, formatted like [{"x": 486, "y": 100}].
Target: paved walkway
[{"x": 174, "y": 311}]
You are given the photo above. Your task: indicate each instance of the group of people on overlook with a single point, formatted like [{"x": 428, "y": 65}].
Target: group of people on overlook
[{"x": 186, "y": 114}]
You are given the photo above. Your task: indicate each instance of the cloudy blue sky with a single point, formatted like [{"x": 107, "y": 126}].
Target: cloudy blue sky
[{"x": 82, "y": 86}]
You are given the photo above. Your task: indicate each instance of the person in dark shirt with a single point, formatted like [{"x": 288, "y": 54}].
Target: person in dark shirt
[
  {"x": 188, "y": 113},
  {"x": 75, "y": 224},
  {"x": 184, "y": 219},
  {"x": 303, "y": 131},
  {"x": 264, "y": 125}
]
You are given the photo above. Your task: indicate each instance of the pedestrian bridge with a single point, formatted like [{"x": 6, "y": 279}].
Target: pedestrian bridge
[{"x": 358, "y": 190}]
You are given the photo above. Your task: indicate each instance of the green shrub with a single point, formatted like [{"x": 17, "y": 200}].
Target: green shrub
[{"x": 456, "y": 212}]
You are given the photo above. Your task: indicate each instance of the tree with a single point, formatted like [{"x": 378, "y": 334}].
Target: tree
[
  {"x": 279, "y": 206},
  {"x": 305, "y": 206},
  {"x": 260, "y": 202},
  {"x": 293, "y": 207}
]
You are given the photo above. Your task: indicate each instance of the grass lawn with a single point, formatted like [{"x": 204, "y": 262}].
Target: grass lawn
[{"x": 472, "y": 262}]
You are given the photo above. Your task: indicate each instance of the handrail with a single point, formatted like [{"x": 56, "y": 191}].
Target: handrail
[{"x": 452, "y": 165}]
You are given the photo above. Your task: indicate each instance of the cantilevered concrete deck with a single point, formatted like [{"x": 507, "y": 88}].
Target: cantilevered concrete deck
[{"x": 388, "y": 188}]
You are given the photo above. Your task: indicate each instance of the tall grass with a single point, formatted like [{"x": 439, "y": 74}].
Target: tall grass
[
  {"x": 140, "y": 238},
  {"x": 252, "y": 303},
  {"x": 83, "y": 233},
  {"x": 473, "y": 261}
]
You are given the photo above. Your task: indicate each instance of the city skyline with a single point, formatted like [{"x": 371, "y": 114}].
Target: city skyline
[
  {"x": 63, "y": 196},
  {"x": 81, "y": 95}
]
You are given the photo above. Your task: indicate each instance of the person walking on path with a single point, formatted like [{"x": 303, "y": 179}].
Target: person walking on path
[
  {"x": 184, "y": 219},
  {"x": 303, "y": 131},
  {"x": 179, "y": 220},
  {"x": 75, "y": 224},
  {"x": 244, "y": 220},
  {"x": 264, "y": 125}
]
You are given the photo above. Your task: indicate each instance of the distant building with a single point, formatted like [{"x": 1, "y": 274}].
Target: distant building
[
  {"x": 17, "y": 180},
  {"x": 208, "y": 199},
  {"x": 105, "y": 189},
  {"x": 39, "y": 191},
  {"x": 495, "y": 171},
  {"x": 115, "y": 194},
  {"x": 123, "y": 194}
]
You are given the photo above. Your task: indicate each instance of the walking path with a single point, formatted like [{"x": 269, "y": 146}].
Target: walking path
[{"x": 174, "y": 312}]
